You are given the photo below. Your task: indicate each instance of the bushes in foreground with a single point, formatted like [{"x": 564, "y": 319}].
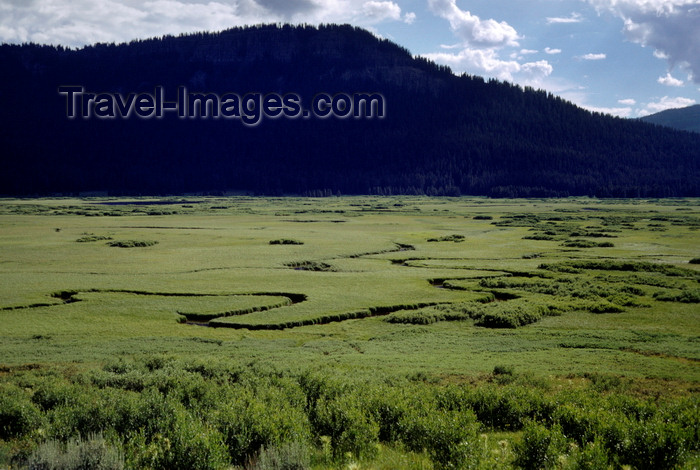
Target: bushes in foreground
[{"x": 175, "y": 415}]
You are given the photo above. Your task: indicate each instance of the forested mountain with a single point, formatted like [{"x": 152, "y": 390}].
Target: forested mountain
[
  {"x": 440, "y": 134},
  {"x": 686, "y": 119}
]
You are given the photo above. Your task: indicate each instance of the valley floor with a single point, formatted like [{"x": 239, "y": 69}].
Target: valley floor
[{"x": 374, "y": 332}]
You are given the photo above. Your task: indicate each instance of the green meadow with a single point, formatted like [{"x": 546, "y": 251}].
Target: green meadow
[{"x": 349, "y": 332}]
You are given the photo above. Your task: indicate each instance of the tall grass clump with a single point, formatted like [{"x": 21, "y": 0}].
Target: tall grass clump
[{"x": 287, "y": 456}]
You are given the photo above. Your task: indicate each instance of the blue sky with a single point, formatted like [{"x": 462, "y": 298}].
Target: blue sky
[{"x": 625, "y": 57}]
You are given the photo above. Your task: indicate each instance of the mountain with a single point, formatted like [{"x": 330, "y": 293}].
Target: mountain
[
  {"x": 440, "y": 134},
  {"x": 685, "y": 119}
]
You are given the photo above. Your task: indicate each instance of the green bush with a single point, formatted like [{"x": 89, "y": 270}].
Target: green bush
[
  {"x": 448, "y": 238},
  {"x": 187, "y": 443},
  {"x": 250, "y": 421},
  {"x": 656, "y": 444},
  {"x": 18, "y": 415},
  {"x": 686, "y": 296},
  {"x": 388, "y": 406},
  {"x": 604, "y": 307},
  {"x": 539, "y": 447},
  {"x": 311, "y": 266},
  {"x": 506, "y": 408},
  {"x": 586, "y": 244},
  {"x": 503, "y": 370},
  {"x": 592, "y": 456},
  {"x": 89, "y": 411},
  {"x": 351, "y": 430},
  {"x": 92, "y": 238},
  {"x": 424, "y": 316},
  {"x": 132, "y": 243},
  {"x": 449, "y": 437},
  {"x": 581, "y": 423},
  {"x": 285, "y": 241}
]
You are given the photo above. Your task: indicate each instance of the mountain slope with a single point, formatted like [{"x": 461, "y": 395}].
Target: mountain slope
[
  {"x": 441, "y": 134},
  {"x": 685, "y": 119}
]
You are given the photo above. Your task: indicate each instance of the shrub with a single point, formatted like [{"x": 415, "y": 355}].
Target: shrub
[
  {"x": 250, "y": 420},
  {"x": 656, "y": 444},
  {"x": 185, "y": 444},
  {"x": 504, "y": 408},
  {"x": 310, "y": 266},
  {"x": 132, "y": 243},
  {"x": 90, "y": 412},
  {"x": 503, "y": 370},
  {"x": 604, "y": 307},
  {"x": 538, "y": 237},
  {"x": 18, "y": 415},
  {"x": 425, "y": 316},
  {"x": 685, "y": 296},
  {"x": 512, "y": 316},
  {"x": 576, "y": 422},
  {"x": 449, "y": 437},
  {"x": 593, "y": 456},
  {"x": 388, "y": 407},
  {"x": 448, "y": 238},
  {"x": 540, "y": 447},
  {"x": 285, "y": 241},
  {"x": 349, "y": 428},
  {"x": 92, "y": 238},
  {"x": 587, "y": 244}
]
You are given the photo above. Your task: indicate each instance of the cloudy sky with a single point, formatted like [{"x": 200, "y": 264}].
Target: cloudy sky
[{"x": 625, "y": 57}]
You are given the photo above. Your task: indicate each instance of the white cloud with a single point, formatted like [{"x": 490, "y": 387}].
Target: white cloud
[
  {"x": 573, "y": 18},
  {"x": 593, "y": 57},
  {"x": 80, "y": 22},
  {"x": 549, "y": 50},
  {"x": 380, "y": 11},
  {"x": 627, "y": 101},
  {"x": 471, "y": 29},
  {"x": 486, "y": 62},
  {"x": 481, "y": 41},
  {"x": 671, "y": 27},
  {"x": 620, "y": 112},
  {"x": 666, "y": 103},
  {"x": 668, "y": 80}
]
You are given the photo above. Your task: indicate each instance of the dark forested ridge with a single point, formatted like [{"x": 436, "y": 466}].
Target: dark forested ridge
[
  {"x": 442, "y": 134},
  {"x": 686, "y": 119}
]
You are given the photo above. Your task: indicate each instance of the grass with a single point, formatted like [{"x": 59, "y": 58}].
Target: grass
[{"x": 367, "y": 298}]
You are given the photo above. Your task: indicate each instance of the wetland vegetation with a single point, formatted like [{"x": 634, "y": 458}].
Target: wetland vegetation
[{"x": 349, "y": 332}]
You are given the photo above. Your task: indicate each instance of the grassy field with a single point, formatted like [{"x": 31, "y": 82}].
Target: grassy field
[{"x": 581, "y": 315}]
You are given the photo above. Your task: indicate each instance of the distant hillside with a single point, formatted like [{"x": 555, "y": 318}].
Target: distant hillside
[
  {"x": 441, "y": 134},
  {"x": 685, "y": 119}
]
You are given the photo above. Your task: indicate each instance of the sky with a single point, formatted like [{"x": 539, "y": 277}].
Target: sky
[{"x": 628, "y": 58}]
